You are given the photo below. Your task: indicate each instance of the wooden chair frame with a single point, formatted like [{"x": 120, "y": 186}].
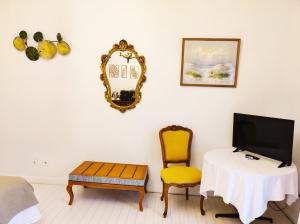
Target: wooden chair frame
[{"x": 187, "y": 162}]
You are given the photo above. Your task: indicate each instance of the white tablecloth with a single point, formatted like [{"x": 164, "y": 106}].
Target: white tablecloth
[{"x": 247, "y": 184}]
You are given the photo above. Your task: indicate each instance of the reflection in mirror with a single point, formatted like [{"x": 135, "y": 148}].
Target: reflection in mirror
[{"x": 123, "y": 74}]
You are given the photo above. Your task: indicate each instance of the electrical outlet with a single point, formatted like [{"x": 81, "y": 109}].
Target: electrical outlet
[{"x": 40, "y": 163}]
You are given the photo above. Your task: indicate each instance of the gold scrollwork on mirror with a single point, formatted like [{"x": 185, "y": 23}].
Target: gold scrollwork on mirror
[{"x": 123, "y": 74}]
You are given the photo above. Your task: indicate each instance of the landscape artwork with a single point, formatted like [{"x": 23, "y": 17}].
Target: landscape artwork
[{"x": 210, "y": 62}]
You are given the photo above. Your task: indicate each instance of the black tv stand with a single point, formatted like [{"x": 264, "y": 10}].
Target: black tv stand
[
  {"x": 237, "y": 216},
  {"x": 283, "y": 164},
  {"x": 238, "y": 150}
]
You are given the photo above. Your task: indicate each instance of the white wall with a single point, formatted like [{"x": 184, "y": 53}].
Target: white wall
[{"x": 55, "y": 110}]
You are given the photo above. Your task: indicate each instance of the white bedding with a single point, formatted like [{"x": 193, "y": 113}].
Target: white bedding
[{"x": 27, "y": 216}]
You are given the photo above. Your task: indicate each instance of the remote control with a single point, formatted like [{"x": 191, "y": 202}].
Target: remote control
[{"x": 248, "y": 156}]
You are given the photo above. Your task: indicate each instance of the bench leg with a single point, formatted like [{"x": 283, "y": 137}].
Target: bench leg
[
  {"x": 142, "y": 193},
  {"x": 146, "y": 182},
  {"x": 70, "y": 191},
  {"x": 201, "y": 205}
]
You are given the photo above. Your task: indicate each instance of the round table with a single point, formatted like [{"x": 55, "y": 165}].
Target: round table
[{"x": 247, "y": 184}]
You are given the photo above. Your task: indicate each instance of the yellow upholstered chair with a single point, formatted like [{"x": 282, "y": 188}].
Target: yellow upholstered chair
[{"x": 176, "y": 148}]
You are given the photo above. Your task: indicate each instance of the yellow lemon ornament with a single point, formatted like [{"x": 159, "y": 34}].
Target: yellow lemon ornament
[
  {"x": 47, "y": 49},
  {"x": 19, "y": 44},
  {"x": 63, "y": 48}
]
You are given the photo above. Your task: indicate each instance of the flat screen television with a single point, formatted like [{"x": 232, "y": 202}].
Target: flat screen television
[{"x": 270, "y": 137}]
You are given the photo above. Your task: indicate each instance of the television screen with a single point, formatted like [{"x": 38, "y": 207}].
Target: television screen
[{"x": 270, "y": 137}]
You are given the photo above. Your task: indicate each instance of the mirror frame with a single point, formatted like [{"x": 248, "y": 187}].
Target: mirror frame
[{"x": 123, "y": 46}]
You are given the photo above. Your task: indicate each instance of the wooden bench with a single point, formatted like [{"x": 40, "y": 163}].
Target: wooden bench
[{"x": 110, "y": 176}]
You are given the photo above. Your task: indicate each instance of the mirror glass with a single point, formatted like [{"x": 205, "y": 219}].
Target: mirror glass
[
  {"x": 123, "y": 74},
  {"x": 123, "y": 71}
]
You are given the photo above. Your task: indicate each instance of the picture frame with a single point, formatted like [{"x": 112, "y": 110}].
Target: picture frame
[
  {"x": 113, "y": 71},
  {"x": 210, "y": 62},
  {"x": 124, "y": 71},
  {"x": 134, "y": 71}
]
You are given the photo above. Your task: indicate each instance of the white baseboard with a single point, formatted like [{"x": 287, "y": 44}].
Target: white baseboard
[
  {"x": 43, "y": 180},
  {"x": 64, "y": 181}
]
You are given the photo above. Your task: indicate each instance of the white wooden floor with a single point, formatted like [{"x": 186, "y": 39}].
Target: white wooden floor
[{"x": 96, "y": 206}]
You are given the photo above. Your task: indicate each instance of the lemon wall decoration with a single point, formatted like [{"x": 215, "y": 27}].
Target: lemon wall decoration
[
  {"x": 20, "y": 41},
  {"x": 45, "y": 49},
  {"x": 63, "y": 47}
]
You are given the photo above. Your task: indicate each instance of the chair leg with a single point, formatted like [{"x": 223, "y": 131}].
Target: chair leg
[
  {"x": 187, "y": 193},
  {"x": 162, "y": 193},
  {"x": 166, "y": 190},
  {"x": 201, "y": 205}
]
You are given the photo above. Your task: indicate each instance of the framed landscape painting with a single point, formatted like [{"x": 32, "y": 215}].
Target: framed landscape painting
[{"x": 210, "y": 62}]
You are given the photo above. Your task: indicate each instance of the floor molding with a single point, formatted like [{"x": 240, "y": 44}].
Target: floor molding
[
  {"x": 43, "y": 180},
  {"x": 64, "y": 181}
]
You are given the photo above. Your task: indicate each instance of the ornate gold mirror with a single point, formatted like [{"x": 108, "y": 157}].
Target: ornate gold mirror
[{"x": 123, "y": 74}]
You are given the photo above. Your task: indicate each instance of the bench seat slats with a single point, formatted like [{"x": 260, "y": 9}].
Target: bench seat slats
[
  {"x": 105, "y": 169},
  {"x": 80, "y": 169},
  {"x": 116, "y": 171},
  {"x": 140, "y": 172},
  {"x": 91, "y": 171},
  {"x": 129, "y": 171},
  {"x": 110, "y": 173}
]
